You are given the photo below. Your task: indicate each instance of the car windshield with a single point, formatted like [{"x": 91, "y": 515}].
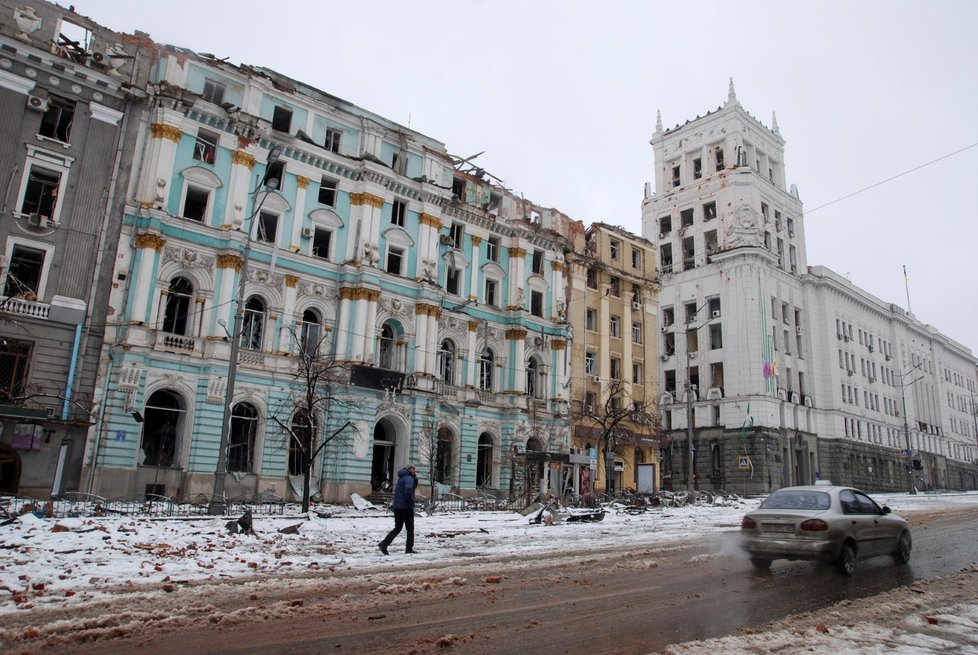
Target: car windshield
[{"x": 797, "y": 500}]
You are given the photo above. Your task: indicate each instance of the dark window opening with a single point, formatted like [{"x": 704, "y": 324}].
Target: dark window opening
[
  {"x": 15, "y": 361},
  {"x": 490, "y": 296},
  {"x": 394, "y": 257},
  {"x": 241, "y": 444},
  {"x": 333, "y": 139},
  {"x": 205, "y": 147},
  {"x": 457, "y": 232},
  {"x": 719, "y": 158},
  {"x": 675, "y": 176},
  {"x": 327, "y": 192},
  {"x": 300, "y": 442},
  {"x": 458, "y": 189},
  {"x": 274, "y": 176},
  {"x": 176, "y": 313},
  {"x": 686, "y": 218},
  {"x": 320, "y": 243},
  {"x": 309, "y": 333},
  {"x": 492, "y": 249},
  {"x": 162, "y": 416},
  {"x": 253, "y": 326},
  {"x": 213, "y": 92},
  {"x": 398, "y": 211},
  {"x": 709, "y": 211},
  {"x": 452, "y": 281},
  {"x": 443, "y": 456},
  {"x": 57, "y": 120},
  {"x": 41, "y": 194},
  {"x": 536, "y": 303},
  {"x": 24, "y": 272},
  {"x": 665, "y": 225},
  {"x": 267, "y": 227},
  {"x": 592, "y": 278},
  {"x": 282, "y": 119},
  {"x": 195, "y": 204},
  {"x": 538, "y": 262},
  {"x": 697, "y": 168}
]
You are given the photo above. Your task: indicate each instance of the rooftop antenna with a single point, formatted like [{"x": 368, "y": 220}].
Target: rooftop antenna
[{"x": 906, "y": 285}]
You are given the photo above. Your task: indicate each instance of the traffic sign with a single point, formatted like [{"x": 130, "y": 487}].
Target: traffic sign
[{"x": 744, "y": 463}]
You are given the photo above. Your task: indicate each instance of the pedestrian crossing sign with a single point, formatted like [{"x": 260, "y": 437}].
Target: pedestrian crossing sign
[{"x": 744, "y": 464}]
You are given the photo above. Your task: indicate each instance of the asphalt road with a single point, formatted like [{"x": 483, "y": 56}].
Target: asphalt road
[{"x": 609, "y": 601}]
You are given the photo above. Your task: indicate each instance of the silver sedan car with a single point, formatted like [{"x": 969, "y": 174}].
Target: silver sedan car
[{"x": 833, "y": 524}]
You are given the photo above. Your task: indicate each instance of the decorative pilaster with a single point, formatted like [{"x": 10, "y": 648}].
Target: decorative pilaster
[
  {"x": 517, "y": 339},
  {"x": 239, "y": 186},
  {"x": 365, "y": 208},
  {"x": 517, "y": 278},
  {"x": 227, "y": 264},
  {"x": 475, "y": 266},
  {"x": 148, "y": 246},
  {"x": 161, "y": 155},
  {"x": 289, "y": 319},
  {"x": 300, "y": 211}
]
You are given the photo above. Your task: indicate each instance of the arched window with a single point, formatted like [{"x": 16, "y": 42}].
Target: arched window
[
  {"x": 176, "y": 312},
  {"x": 487, "y": 364},
  {"x": 446, "y": 364},
  {"x": 241, "y": 444},
  {"x": 443, "y": 456},
  {"x": 386, "y": 354},
  {"x": 534, "y": 378},
  {"x": 304, "y": 430},
  {"x": 253, "y": 327},
  {"x": 484, "y": 459},
  {"x": 163, "y": 418},
  {"x": 309, "y": 332}
]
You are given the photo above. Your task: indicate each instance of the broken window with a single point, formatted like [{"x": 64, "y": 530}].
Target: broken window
[
  {"x": 536, "y": 303},
  {"x": 665, "y": 254},
  {"x": 333, "y": 139},
  {"x": 446, "y": 361},
  {"x": 267, "y": 227},
  {"x": 615, "y": 368},
  {"x": 718, "y": 157},
  {"x": 714, "y": 307},
  {"x": 636, "y": 258},
  {"x": 615, "y": 246},
  {"x": 41, "y": 194},
  {"x": 195, "y": 204},
  {"x": 205, "y": 147},
  {"x": 162, "y": 418},
  {"x": 709, "y": 211},
  {"x": 697, "y": 168},
  {"x": 457, "y": 233},
  {"x": 637, "y": 374},
  {"x": 716, "y": 374},
  {"x": 765, "y": 213},
  {"x": 281, "y": 119},
  {"x": 591, "y": 319},
  {"x": 309, "y": 332},
  {"x": 490, "y": 294},
  {"x": 15, "y": 361},
  {"x": 692, "y": 341},
  {"x": 253, "y": 324},
  {"x": 241, "y": 441},
  {"x": 716, "y": 337},
  {"x": 689, "y": 253},
  {"x": 24, "y": 272},
  {"x": 57, "y": 120},
  {"x": 274, "y": 175},
  {"x": 589, "y": 361},
  {"x": 458, "y": 188},
  {"x": 665, "y": 225},
  {"x": 592, "y": 278},
  {"x": 538, "y": 262},
  {"x": 176, "y": 312},
  {"x": 686, "y": 218},
  {"x": 791, "y": 227},
  {"x": 213, "y": 92},
  {"x": 386, "y": 348},
  {"x": 394, "y": 260},
  {"x": 398, "y": 211},
  {"x": 615, "y": 327},
  {"x": 487, "y": 365},
  {"x": 492, "y": 249},
  {"x": 534, "y": 382},
  {"x": 669, "y": 343},
  {"x": 590, "y": 400},
  {"x": 636, "y": 293},
  {"x": 710, "y": 241},
  {"x": 321, "y": 240},
  {"x": 690, "y": 309},
  {"x": 327, "y": 192},
  {"x": 675, "y": 176},
  {"x": 668, "y": 316},
  {"x": 452, "y": 279},
  {"x": 636, "y": 333},
  {"x": 615, "y": 286}
]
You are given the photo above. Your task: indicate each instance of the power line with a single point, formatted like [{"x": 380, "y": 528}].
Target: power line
[{"x": 890, "y": 179}]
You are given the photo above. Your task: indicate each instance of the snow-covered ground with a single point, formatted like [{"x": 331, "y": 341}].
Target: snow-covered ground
[{"x": 64, "y": 562}]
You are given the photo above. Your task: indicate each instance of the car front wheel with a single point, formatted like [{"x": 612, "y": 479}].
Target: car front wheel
[
  {"x": 761, "y": 563},
  {"x": 902, "y": 554},
  {"x": 847, "y": 560}
]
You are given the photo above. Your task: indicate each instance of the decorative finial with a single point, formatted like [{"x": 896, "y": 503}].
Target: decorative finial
[
  {"x": 774, "y": 124},
  {"x": 731, "y": 94},
  {"x": 658, "y": 121}
]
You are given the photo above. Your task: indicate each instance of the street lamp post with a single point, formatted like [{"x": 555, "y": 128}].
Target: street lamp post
[
  {"x": 906, "y": 428},
  {"x": 218, "y": 504}
]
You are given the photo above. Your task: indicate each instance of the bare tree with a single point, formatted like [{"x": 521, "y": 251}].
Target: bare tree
[
  {"x": 537, "y": 437},
  {"x": 316, "y": 383},
  {"x": 615, "y": 419},
  {"x": 428, "y": 457}
]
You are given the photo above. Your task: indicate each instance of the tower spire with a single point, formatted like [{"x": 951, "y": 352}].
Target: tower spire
[
  {"x": 658, "y": 121},
  {"x": 731, "y": 95},
  {"x": 774, "y": 124}
]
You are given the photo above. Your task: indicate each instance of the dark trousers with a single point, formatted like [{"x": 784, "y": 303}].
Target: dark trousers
[{"x": 403, "y": 518}]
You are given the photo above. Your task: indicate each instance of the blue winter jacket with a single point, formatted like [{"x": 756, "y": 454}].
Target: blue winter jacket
[{"x": 404, "y": 490}]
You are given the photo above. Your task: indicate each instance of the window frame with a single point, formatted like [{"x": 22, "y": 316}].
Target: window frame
[{"x": 48, "y": 250}]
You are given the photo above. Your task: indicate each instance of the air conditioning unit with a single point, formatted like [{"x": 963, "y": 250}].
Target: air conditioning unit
[
  {"x": 847, "y": 338},
  {"x": 596, "y": 379},
  {"x": 664, "y": 358},
  {"x": 888, "y": 358},
  {"x": 797, "y": 329},
  {"x": 691, "y": 355},
  {"x": 308, "y": 232},
  {"x": 691, "y": 318},
  {"x": 849, "y": 372},
  {"x": 636, "y": 305},
  {"x": 446, "y": 240},
  {"x": 37, "y": 103},
  {"x": 715, "y": 313},
  {"x": 782, "y": 394},
  {"x": 794, "y": 398},
  {"x": 36, "y": 220},
  {"x": 870, "y": 347}
]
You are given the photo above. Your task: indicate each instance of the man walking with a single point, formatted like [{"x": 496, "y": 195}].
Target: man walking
[{"x": 403, "y": 506}]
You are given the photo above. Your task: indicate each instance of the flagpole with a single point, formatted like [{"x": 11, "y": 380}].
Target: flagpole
[{"x": 906, "y": 285}]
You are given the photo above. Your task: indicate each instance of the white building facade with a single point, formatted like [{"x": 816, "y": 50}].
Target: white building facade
[{"x": 748, "y": 366}]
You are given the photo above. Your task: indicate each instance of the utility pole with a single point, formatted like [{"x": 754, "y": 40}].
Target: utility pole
[{"x": 906, "y": 428}]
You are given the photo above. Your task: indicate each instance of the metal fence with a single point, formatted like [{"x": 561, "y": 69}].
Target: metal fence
[{"x": 89, "y": 505}]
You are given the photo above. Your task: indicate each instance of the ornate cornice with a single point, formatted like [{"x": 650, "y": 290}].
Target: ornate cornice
[
  {"x": 422, "y": 309},
  {"x": 291, "y": 281},
  {"x": 517, "y": 252},
  {"x": 150, "y": 240},
  {"x": 366, "y": 199},
  {"x": 515, "y": 334},
  {"x": 163, "y": 131},
  {"x": 432, "y": 220},
  {"x": 359, "y": 293},
  {"x": 228, "y": 260},
  {"x": 243, "y": 158}
]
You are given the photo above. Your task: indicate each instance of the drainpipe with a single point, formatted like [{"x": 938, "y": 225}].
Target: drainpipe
[
  {"x": 71, "y": 373},
  {"x": 100, "y": 426}
]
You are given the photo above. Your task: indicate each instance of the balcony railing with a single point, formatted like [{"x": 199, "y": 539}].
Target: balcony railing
[
  {"x": 22, "y": 307},
  {"x": 179, "y": 342}
]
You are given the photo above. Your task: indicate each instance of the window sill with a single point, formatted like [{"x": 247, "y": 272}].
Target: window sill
[{"x": 52, "y": 140}]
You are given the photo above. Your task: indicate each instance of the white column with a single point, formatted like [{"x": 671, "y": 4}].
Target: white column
[
  {"x": 472, "y": 362},
  {"x": 229, "y": 265},
  {"x": 165, "y": 135},
  {"x": 428, "y": 235},
  {"x": 365, "y": 211},
  {"x": 517, "y": 278},
  {"x": 370, "y": 327},
  {"x": 289, "y": 317},
  {"x": 298, "y": 214},
  {"x": 433, "y": 347},
  {"x": 239, "y": 186},
  {"x": 518, "y": 335},
  {"x": 343, "y": 325},
  {"x": 149, "y": 246},
  {"x": 474, "y": 268},
  {"x": 421, "y": 338},
  {"x": 359, "y": 325}
]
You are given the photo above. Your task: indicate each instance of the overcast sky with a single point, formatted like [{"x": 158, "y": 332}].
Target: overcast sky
[{"x": 562, "y": 97}]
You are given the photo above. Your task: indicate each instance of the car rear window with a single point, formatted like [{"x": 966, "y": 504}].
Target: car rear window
[{"x": 797, "y": 500}]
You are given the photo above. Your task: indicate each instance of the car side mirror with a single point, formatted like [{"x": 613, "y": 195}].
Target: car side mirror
[{"x": 886, "y": 510}]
